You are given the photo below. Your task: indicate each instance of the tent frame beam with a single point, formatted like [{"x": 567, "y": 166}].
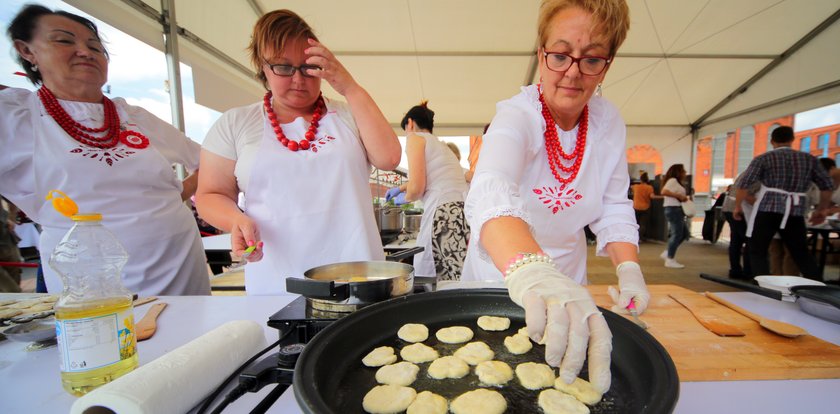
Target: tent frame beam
[{"x": 767, "y": 69}]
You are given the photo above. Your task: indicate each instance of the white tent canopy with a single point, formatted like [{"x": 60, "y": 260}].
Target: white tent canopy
[{"x": 700, "y": 66}]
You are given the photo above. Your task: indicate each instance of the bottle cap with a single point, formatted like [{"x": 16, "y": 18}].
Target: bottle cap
[
  {"x": 62, "y": 203},
  {"x": 66, "y": 206},
  {"x": 86, "y": 217}
]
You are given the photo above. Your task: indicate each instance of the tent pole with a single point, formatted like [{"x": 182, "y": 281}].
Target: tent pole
[{"x": 176, "y": 99}]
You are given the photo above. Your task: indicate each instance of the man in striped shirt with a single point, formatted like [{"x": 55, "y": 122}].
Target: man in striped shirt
[{"x": 785, "y": 176}]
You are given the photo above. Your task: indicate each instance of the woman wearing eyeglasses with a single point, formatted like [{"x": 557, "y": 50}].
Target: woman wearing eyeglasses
[
  {"x": 301, "y": 160},
  {"x": 552, "y": 162}
]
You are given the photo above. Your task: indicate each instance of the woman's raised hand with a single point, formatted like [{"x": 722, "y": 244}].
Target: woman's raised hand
[{"x": 331, "y": 70}]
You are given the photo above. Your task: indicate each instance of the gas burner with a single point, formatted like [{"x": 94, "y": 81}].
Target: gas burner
[{"x": 298, "y": 322}]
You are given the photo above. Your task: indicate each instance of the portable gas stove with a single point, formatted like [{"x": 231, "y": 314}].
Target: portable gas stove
[{"x": 298, "y": 322}]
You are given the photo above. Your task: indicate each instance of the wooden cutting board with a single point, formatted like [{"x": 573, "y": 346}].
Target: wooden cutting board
[{"x": 703, "y": 356}]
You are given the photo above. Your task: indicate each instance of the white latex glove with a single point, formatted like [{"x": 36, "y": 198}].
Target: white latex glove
[
  {"x": 631, "y": 286},
  {"x": 560, "y": 313}
]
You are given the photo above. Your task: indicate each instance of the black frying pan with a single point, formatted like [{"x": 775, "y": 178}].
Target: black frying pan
[{"x": 330, "y": 378}]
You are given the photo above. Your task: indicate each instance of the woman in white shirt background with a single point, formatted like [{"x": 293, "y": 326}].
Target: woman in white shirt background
[
  {"x": 675, "y": 195},
  {"x": 436, "y": 178},
  {"x": 552, "y": 162}
]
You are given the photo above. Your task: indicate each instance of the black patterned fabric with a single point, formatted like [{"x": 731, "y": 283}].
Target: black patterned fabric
[{"x": 450, "y": 234}]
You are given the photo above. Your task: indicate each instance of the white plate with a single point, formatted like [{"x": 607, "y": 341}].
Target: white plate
[{"x": 784, "y": 283}]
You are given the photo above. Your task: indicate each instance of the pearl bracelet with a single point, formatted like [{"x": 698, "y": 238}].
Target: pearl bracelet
[{"x": 522, "y": 259}]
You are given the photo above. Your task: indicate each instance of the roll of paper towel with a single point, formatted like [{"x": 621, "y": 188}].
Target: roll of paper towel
[{"x": 179, "y": 380}]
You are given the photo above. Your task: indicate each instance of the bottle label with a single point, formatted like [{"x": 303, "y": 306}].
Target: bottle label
[{"x": 95, "y": 342}]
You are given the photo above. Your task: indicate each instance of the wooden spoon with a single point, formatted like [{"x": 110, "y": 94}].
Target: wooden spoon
[
  {"x": 777, "y": 327},
  {"x": 715, "y": 325},
  {"x": 148, "y": 325}
]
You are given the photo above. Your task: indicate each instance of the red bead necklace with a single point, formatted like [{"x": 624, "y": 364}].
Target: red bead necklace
[
  {"x": 555, "y": 150},
  {"x": 82, "y": 134},
  {"x": 311, "y": 133}
]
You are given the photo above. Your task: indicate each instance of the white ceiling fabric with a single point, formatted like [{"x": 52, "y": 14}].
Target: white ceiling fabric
[{"x": 681, "y": 60}]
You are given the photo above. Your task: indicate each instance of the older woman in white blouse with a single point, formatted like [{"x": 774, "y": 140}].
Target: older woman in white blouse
[
  {"x": 552, "y": 162},
  {"x": 111, "y": 157}
]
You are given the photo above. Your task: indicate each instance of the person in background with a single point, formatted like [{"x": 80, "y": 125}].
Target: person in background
[
  {"x": 9, "y": 275},
  {"x": 738, "y": 242},
  {"x": 110, "y": 157},
  {"x": 301, "y": 160},
  {"x": 436, "y": 178},
  {"x": 674, "y": 194},
  {"x": 642, "y": 196},
  {"x": 552, "y": 162},
  {"x": 457, "y": 152},
  {"x": 784, "y": 175}
]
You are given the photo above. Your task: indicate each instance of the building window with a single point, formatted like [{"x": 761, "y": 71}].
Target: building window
[
  {"x": 718, "y": 157},
  {"x": 805, "y": 144},
  {"x": 770, "y": 135},
  {"x": 838, "y": 139},
  {"x": 746, "y": 144},
  {"x": 823, "y": 144}
]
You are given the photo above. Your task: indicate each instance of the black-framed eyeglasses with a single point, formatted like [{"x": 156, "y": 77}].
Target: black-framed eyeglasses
[
  {"x": 588, "y": 65},
  {"x": 289, "y": 70}
]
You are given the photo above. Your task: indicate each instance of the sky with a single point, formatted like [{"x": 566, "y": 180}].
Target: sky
[{"x": 137, "y": 72}]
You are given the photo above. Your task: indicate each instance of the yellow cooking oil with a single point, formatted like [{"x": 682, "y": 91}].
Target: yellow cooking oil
[{"x": 89, "y": 316}]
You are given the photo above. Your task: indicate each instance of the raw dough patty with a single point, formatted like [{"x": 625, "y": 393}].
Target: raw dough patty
[
  {"x": 419, "y": 353},
  {"x": 454, "y": 334},
  {"x": 580, "y": 389},
  {"x": 413, "y": 332},
  {"x": 428, "y": 403},
  {"x": 494, "y": 372},
  {"x": 480, "y": 401},
  {"x": 493, "y": 323},
  {"x": 518, "y": 344},
  {"x": 401, "y": 373},
  {"x": 556, "y": 402},
  {"x": 383, "y": 355},
  {"x": 534, "y": 376},
  {"x": 388, "y": 399},
  {"x": 448, "y": 367},
  {"x": 474, "y": 353}
]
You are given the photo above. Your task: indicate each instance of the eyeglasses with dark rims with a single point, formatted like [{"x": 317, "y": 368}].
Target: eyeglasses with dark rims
[
  {"x": 588, "y": 65},
  {"x": 289, "y": 70}
]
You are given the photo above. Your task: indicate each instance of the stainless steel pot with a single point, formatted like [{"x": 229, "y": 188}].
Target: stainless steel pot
[
  {"x": 346, "y": 287},
  {"x": 388, "y": 218},
  {"x": 411, "y": 222}
]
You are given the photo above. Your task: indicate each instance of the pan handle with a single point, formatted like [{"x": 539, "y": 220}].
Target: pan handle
[
  {"x": 770, "y": 293},
  {"x": 318, "y": 289}
]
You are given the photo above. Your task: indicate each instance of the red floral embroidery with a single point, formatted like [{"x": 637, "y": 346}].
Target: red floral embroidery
[
  {"x": 107, "y": 155},
  {"x": 558, "y": 198},
  {"x": 314, "y": 145}
]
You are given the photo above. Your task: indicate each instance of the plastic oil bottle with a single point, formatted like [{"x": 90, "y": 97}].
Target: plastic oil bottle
[{"x": 94, "y": 315}]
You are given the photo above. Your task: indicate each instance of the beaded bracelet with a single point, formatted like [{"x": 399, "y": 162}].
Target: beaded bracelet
[{"x": 521, "y": 259}]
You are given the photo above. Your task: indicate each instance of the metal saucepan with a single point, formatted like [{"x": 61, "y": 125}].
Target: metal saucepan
[
  {"x": 820, "y": 301},
  {"x": 388, "y": 218},
  {"x": 411, "y": 222},
  {"x": 346, "y": 287},
  {"x": 330, "y": 378}
]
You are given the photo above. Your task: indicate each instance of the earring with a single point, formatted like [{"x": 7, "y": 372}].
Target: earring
[
  {"x": 34, "y": 68},
  {"x": 598, "y": 90}
]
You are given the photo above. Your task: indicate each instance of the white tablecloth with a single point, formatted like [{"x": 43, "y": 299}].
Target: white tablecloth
[{"x": 29, "y": 381}]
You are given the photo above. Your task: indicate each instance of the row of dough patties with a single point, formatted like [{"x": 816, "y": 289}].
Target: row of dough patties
[{"x": 531, "y": 375}]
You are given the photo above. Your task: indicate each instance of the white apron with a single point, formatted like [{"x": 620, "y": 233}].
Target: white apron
[
  {"x": 311, "y": 208},
  {"x": 139, "y": 197},
  {"x": 559, "y": 233},
  {"x": 791, "y": 199}
]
